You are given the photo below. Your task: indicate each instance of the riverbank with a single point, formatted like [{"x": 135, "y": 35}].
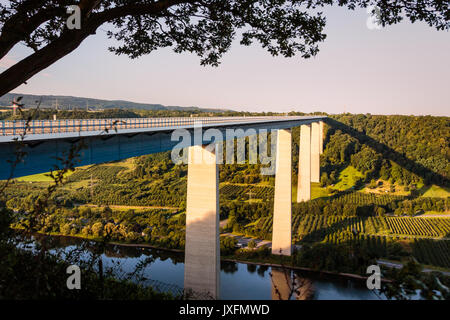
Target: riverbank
[
  {"x": 285, "y": 265},
  {"x": 260, "y": 263},
  {"x": 233, "y": 259},
  {"x": 164, "y": 270}
]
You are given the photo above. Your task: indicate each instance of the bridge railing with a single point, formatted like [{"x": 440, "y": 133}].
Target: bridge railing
[{"x": 18, "y": 127}]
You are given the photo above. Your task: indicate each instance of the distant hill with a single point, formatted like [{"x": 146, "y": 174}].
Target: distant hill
[{"x": 68, "y": 102}]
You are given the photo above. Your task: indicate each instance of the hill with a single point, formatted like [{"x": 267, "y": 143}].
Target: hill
[{"x": 69, "y": 102}]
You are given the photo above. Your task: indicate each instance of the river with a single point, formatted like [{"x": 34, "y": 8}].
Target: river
[{"x": 165, "y": 271}]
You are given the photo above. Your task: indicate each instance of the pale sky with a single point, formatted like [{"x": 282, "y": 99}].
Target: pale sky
[{"x": 403, "y": 69}]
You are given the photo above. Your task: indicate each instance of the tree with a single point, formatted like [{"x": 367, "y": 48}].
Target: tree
[
  {"x": 65, "y": 229},
  {"x": 86, "y": 231},
  {"x": 380, "y": 211},
  {"x": 409, "y": 281},
  {"x": 97, "y": 229},
  {"x": 324, "y": 180},
  {"x": 227, "y": 245},
  {"x": 204, "y": 27}
]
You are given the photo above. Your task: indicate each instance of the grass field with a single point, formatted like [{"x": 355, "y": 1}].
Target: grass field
[
  {"x": 436, "y": 192},
  {"x": 43, "y": 177},
  {"x": 347, "y": 178},
  {"x": 40, "y": 177},
  {"x": 316, "y": 192}
]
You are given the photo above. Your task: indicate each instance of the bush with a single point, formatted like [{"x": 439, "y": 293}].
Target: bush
[
  {"x": 252, "y": 244},
  {"x": 227, "y": 245}
]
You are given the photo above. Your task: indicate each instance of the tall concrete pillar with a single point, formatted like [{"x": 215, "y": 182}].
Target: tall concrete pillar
[
  {"x": 315, "y": 152},
  {"x": 304, "y": 165},
  {"x": 282, "y": 212},
  {"x": 321, "y": 137},
  {"x": 202, "y": 249}
]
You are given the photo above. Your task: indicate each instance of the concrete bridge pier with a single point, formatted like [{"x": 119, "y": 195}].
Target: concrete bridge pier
[
  {"x": 304, "y": 165},
  {"x": 282, "y": 212},
  {"x": 202, "y": 248},
  {"x": 315, "y": 152},
  {"x": 321, "y": 123}
]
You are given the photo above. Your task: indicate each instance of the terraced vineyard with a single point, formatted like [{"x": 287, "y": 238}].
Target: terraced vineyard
[
  {"x": 375, "y": 233},
  {"x": 239, "y": 191},
  {"x": 245, "y": 192},
  {"x": 375, "y": 244},
  {"x": 319, "y": 227},
  {"x": 426, "y": 251},
  {"x": 428, "y": 227},
  {"x": 361, "y": 198},
  {"x": 433, "y": 252},
  {"x": 105, "y": 173}
]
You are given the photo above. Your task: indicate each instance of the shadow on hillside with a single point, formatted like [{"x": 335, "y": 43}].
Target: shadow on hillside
[
  {"x": 324, "y": 198},
  {"x": 335, "y": 195},
  {"x": 337, "y": 227},
  {"x": 389, "y": 153},
  {"x": 423, "y": 190}
]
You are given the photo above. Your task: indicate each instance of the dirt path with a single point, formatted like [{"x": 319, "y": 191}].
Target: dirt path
[
  {"x": 129, "y": 207},
  {"x": 437, "y": 215},
  {"x": 398, "y": 265}
]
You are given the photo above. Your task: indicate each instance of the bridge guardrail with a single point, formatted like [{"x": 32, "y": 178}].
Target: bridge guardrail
[{"x": 17, "y": 127}]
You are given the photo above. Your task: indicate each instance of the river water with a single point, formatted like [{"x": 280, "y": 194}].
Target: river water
[{"x": 165, "y": 271}]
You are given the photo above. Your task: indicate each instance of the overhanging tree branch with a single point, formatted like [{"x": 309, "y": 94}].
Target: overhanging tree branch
[
  {"x": 70, "y": 40},
  {"x": 19, "y": 26},
  {"x": 204, "y": 27}
]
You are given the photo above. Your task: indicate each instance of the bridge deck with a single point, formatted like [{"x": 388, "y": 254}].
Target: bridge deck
[
  {"x": 66, "y": 128},
  {"x": 44, "y": 143}
]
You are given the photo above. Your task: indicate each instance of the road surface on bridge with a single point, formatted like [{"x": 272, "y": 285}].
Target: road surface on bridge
[{"x": 64, "y": 128}]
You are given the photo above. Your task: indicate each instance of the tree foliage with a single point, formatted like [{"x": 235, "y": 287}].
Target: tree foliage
[{"x": 403, "y": 149}]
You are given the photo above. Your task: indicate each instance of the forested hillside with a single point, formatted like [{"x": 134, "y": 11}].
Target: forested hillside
[
  {"x": 69, "y": 103},
  {"x": 401, "y": 148}
]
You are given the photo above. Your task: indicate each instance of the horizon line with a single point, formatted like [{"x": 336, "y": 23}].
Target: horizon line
[{"x": 225, "y": 109}]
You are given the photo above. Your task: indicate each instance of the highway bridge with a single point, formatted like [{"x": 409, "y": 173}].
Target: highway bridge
[{"x": 36, "y": 146}]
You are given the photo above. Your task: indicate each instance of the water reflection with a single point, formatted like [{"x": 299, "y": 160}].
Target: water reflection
[
  {"x": 251, "y": 268},
  {"x": 262, "y": 271},
  {"x": 304, "y": 289},
  {"x": 228, "y": 267},
  {"x": 165, "y": 269},
  {"x": 283, "y": 284}
]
